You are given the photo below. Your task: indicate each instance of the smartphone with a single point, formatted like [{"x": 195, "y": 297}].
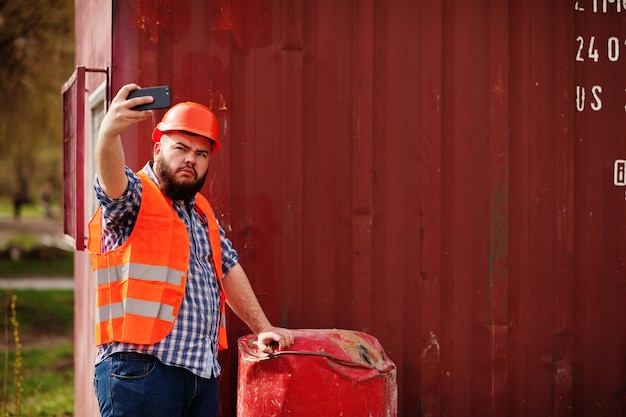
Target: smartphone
[{"x": 161, "y": 94}]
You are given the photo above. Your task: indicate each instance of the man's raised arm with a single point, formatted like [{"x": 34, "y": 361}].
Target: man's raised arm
[{"x": 109, "y": 153}]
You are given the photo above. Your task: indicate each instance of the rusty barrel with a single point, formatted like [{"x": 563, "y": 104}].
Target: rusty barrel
[{"x": 327, "y": 372}]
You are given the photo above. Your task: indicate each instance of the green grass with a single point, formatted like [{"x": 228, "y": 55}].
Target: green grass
[
  {"x": 61, "y": 267},
  {"x": 47, "y": 384},
  {"x": 46, "y": 369},
  {"x": 45, "y": 313},
  {"x": 44, "y": 362},
  {"x": 34, "y": 259},
  {"x": 27, "y": 211},
  {"x": 24, "y": 241}
]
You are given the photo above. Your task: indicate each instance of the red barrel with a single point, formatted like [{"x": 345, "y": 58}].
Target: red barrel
[{"x": 327, "y": 372}]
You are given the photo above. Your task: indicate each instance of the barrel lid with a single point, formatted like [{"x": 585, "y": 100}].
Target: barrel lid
[{"x": 349, "y": 347}]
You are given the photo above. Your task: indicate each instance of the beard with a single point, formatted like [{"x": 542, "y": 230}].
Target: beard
[{"x": 177, "y": 190}]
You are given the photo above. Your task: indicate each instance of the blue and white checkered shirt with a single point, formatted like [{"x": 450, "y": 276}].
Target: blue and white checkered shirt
[{"x": 192, "y": 343}]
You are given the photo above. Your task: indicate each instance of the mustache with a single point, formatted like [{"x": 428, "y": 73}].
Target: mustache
[{"x": 188, "y": 166}]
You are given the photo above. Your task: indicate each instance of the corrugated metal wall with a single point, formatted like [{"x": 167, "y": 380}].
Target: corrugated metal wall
[
  {"x": 424, "y": 171},
  {"x": 595, "y": 308}
]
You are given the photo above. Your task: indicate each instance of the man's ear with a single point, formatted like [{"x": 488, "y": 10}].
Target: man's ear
[{"x": 156, "y": 149}]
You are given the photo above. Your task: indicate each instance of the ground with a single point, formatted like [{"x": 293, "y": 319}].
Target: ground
[{"x": 50, "y": 231}]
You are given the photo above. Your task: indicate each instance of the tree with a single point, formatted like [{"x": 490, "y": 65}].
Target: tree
[{"x": 37, "y": 50}]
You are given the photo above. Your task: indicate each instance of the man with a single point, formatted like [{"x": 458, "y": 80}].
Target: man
[{"x": 161, "y": 290}]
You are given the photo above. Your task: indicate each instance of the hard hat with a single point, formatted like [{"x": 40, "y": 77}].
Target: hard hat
[{"x": 189, "y": 117}]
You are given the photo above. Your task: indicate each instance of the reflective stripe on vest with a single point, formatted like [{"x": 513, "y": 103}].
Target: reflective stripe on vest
[
  {"x": 141, "y": 284},
  {"x": 137, "y": 307},
  {"x": 139, "y": 271}
]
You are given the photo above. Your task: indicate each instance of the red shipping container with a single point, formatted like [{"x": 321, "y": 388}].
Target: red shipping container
[{"x": 327, "y": 372}]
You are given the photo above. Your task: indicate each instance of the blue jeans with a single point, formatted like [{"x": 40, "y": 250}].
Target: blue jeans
[{"x": 132, "y": 384}]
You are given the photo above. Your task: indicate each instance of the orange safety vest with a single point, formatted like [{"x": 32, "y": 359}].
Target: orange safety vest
[{"x": 141, "y": 284}]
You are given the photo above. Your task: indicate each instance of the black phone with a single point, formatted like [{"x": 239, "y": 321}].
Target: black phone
[{"x": 161, "y": 94}]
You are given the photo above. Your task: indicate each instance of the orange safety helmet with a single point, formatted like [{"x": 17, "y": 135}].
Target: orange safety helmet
[{"x": 189, "y": 117}]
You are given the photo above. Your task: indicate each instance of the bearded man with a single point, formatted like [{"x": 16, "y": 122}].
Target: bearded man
[{"x": 164, "y": 269}]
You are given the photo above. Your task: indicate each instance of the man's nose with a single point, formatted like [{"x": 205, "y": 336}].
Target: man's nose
[{"x": 190, "y": 157}]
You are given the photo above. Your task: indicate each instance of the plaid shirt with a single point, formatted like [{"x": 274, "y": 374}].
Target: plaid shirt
[{"x": 192, "y": 343}]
